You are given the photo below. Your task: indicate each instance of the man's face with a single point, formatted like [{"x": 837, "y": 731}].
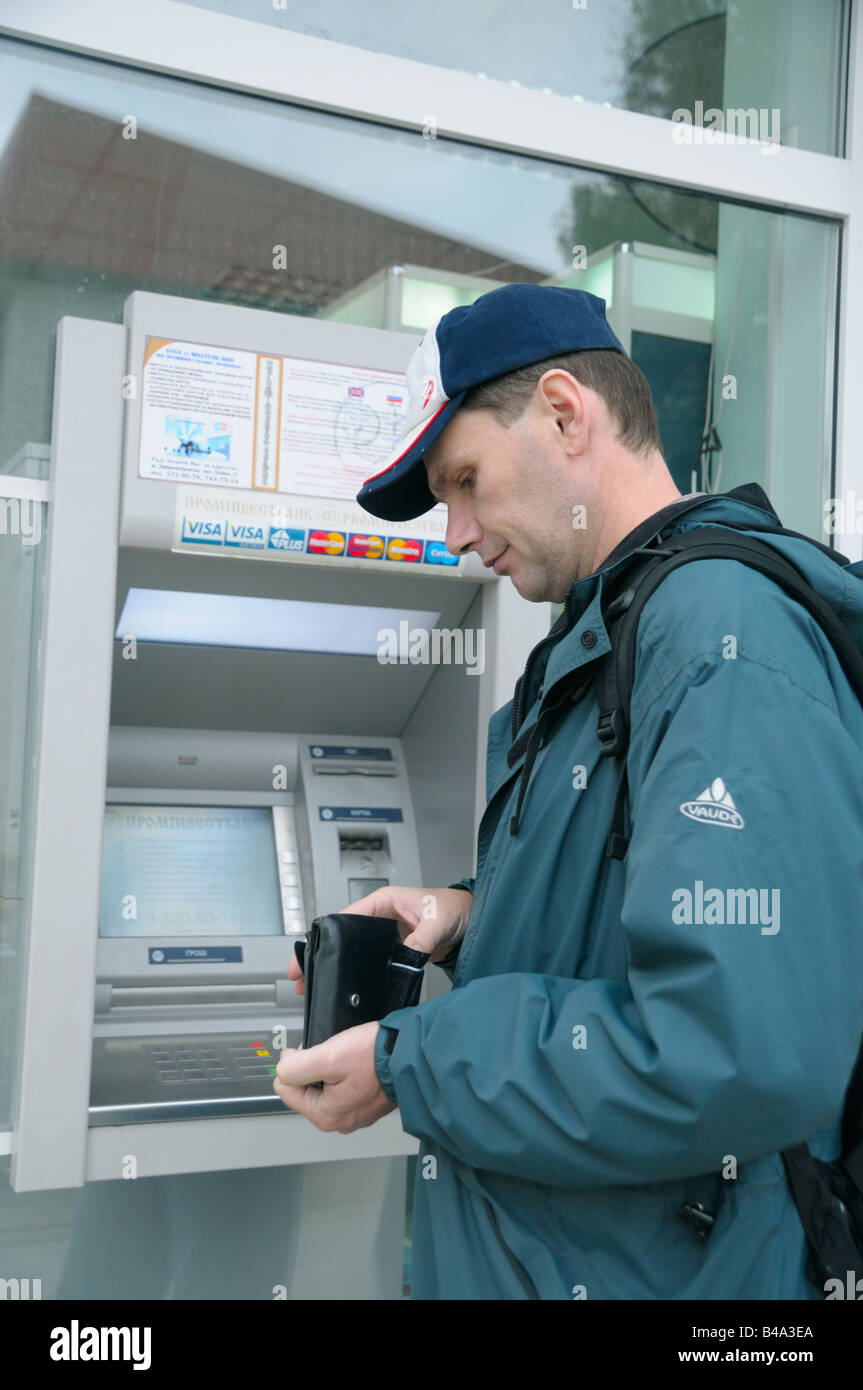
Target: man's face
[{"x": 508, "y": 492}]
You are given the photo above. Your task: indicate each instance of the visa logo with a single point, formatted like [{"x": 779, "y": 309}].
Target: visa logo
[
  {"x": 202, "y": 532},
  {"x": 240, "y": 534}
]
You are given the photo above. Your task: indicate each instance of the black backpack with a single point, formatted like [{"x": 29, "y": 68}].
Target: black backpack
[{"x": 829, "y": 1196}]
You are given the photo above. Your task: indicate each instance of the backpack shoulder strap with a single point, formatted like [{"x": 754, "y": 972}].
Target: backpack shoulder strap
[
  {"x": 829, "y": 1201},
  {"x": 630, "y": 592}
]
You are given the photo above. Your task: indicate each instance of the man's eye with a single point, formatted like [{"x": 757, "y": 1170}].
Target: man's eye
[{"x": 467, "y": 480}]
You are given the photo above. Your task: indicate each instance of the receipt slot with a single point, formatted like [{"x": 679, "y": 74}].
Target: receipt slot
[{"x": 221, "y": 756}]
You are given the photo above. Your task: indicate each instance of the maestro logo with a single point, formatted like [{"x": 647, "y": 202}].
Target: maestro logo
[{"x": 401, "y": 549}]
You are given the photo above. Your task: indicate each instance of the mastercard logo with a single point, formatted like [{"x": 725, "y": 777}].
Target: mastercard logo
[
  {"x": 401, "y": 549},
  {"x": 366, "y": 547},
  {"x": 326, "y": 542}
]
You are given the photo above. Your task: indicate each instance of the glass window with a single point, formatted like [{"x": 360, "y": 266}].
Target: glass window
[
  {"x": 652, "y": 56},
  {"x": 115, "y": 180}
]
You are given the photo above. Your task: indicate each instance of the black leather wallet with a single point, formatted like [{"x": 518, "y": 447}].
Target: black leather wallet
[{"x": 356, "y": 971}]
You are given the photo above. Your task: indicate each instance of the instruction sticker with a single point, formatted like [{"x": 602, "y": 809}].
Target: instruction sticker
[{"x": 223, "y": 417}]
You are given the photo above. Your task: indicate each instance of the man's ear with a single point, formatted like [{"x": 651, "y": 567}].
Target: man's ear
[{"x": 559, "y": 392}]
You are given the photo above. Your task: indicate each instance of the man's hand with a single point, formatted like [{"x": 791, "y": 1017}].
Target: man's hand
[
  {"x": 352, "y": 1097},
  {"x": 430, "y": 919}
]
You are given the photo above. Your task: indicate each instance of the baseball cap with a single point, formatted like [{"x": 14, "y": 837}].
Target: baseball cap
[{"x": 503, "y": 330}]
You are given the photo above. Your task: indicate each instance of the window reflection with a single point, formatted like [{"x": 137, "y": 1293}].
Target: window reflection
[{"x": 113, "y": 180}]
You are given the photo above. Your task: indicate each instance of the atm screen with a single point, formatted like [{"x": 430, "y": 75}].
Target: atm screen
[{"x": 189, "y": 871}]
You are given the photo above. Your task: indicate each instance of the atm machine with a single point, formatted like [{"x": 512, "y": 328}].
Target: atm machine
[{"x": 244, "y": 723}]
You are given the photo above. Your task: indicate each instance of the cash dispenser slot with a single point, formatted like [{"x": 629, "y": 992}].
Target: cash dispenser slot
[
  {"x": 194, "y": 996},
  {"x": 364, "y": 849},
  {"x": 365, "y": 858},
  {"x": 331, "y": 768},
  {"x": 350, "y": 842}
]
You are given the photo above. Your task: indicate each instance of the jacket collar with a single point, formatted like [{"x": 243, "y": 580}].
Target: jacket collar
[
  {"x": 583, "y": 605},
  {"x": 652, "y": 525},
  {"x": 583, "y": 636}
]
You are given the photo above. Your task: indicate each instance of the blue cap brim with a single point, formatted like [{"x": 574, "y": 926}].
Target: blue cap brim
[{"x": 401, "y": 491}]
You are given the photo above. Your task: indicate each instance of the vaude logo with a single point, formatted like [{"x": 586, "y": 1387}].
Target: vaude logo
[{"x": 714, "y": 805}]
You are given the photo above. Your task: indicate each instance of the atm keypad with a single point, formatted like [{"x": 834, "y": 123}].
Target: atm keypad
[{"x": 176, "y": 1065}]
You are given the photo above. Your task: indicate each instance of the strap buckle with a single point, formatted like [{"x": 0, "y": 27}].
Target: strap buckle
[
  {"x": 698, "y": 1219},
  {"x": 610, "y": 730},
  {"x": 620, "y": 604}
]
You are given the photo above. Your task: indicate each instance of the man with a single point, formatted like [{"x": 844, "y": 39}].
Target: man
[{"x": 602, "y": 1097}]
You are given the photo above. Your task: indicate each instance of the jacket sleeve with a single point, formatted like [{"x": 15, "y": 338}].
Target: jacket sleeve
[
  {"x": 387, "y": 1036},
  {"x": 726, "y": 1037},
  {"x": 450, "y": 961}
]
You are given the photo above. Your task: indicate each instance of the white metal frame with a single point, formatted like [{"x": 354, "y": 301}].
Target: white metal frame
[
  {"x": 71, "y": 755},
  {"x": 849, "y": 357},
  {"x": 30, "y": 490}
]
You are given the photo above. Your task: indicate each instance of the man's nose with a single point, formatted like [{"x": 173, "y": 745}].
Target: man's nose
[{"x": 463, "y": 532}]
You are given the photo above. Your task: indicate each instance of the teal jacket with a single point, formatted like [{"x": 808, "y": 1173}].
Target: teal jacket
[{"x": 624, "y": 1037}]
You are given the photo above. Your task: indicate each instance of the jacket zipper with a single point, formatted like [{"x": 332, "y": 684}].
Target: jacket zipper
[
  {"x": 520, "y": 1272},
  {"x": 520, "y": 698},
  {"x": 674, "y": 510}
]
